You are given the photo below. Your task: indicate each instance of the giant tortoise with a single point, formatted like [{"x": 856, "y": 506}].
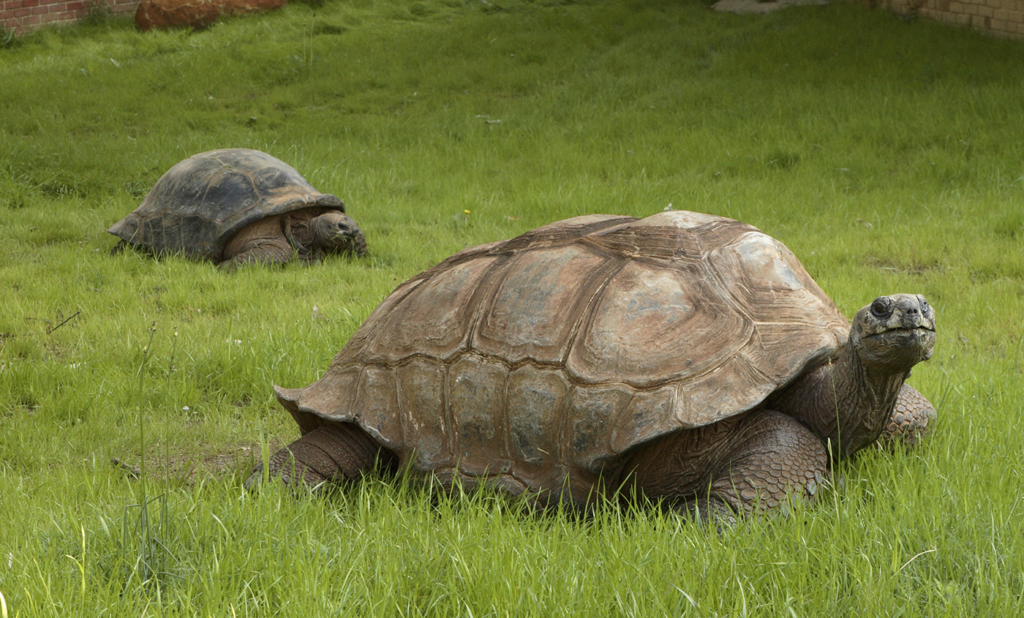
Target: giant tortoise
[
  {"x": 238, "y": 206},
  {"x": 683, "y": 357}
]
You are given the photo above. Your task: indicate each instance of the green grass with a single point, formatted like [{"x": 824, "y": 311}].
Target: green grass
[{"x": 889, "y": 156}]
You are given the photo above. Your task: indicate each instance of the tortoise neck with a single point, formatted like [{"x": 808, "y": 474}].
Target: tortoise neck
[
  {"x": 301, "y": 232},
  {"x": 844, "y": 402}
]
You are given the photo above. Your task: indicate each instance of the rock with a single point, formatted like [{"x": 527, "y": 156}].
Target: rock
[{"x": 195, "y": 13}]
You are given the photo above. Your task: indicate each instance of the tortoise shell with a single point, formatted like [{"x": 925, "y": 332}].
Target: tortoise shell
[
  {"x": 202, "y": 202},
  {"x": 536, "y": 362}
]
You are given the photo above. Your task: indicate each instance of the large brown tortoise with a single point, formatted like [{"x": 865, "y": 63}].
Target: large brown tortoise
[
  {"x": 237, "y": 206},
  {"x": 683, "y": 357}
]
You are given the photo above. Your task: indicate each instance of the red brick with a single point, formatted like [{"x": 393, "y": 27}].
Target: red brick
[
  {"x": 74, "y": 6},
  {"x": 12, "y": 4},
  {"x": 32, "y": 19},
  {"x": 4, "y": 15},
  {"x": 55, "y": 8},
  {"x": 40, "y": 10},
  {"x": 28, "y": 3},
  {"x": 21, "y": 12}
]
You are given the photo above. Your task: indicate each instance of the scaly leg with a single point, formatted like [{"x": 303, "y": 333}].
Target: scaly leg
[
  {"x": 733, "y": 466},
  {"x": 334, "y": 452},
  {"x": 260, "y": 252},
  {"x": 910, "y": 418}
]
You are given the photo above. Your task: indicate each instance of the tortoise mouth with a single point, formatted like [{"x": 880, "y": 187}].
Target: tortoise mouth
[
  {"x": 339, "y": 239},
  {"x": 919, "y": 331},
  {"x": 899, "y": 348}
]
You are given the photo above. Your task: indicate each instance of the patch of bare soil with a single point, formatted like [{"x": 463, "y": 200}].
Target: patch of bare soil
[
  {"x": 753, "y": 6},
  {"x": 187, "y": 469}
]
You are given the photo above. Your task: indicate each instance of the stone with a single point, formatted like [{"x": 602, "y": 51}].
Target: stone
[{"x": 195, "y": 13}]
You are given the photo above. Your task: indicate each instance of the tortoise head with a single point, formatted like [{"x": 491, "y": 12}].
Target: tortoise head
[
  {"x": 894, "y": 333},
  {"x": 336, "y": 232}
]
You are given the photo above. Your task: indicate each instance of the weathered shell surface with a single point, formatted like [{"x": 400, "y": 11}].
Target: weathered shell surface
[
  {"x": 540, "y": 359},
  {"x": 200, "y": 203}
]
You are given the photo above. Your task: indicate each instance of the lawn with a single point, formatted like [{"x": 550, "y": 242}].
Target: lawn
[{"x": 888, "y": 155}]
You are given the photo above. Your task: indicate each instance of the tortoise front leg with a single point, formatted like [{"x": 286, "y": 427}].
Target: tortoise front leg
[
  {"x": 774, "y": 457},
  {"x": 733, "y": 467},
  {"x": 910, "y": 418},
  {"x": 334, "y": 452},
  {"x": 260, "y": 252}
]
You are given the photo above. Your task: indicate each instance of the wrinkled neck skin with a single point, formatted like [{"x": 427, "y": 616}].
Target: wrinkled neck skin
[
  {"x": 844, "y": 402},
  {"x": 298, "y": 230},
  {"x": 320, "y": 235}
]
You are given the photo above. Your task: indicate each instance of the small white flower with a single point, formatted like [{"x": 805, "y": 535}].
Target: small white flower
[{"x": 185, "y": 408}]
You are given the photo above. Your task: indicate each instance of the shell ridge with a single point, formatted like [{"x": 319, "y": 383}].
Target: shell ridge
[
  {"x": 506, "y": 425},
  {"x": 483, "y": 297},
  {"x": 374, "y": 323},
  {"x": 596, "y": 283},
  {"x": 564, "y": 437},
  {"x": 450, "y": 427},
  {"x": 360, "y": 418}
]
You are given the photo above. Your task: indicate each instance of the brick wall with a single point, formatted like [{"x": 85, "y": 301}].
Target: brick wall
[
  {"x": 23, "y": 16},
  {"x": 998, "y": 17}
]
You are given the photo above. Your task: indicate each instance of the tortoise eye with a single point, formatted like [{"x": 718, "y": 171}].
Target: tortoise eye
[{"x": 880, "y": 308}]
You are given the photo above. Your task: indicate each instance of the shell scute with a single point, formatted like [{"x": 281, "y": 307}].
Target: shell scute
[
  {"x": 733, "y": 387},
  {"x": 476, "y": 387},
  {"x": 530, "y": 315},
  {"x": 433, "y": 319},
  {"x": 534, "y": 400},
  {"x": 421, "y": 408},
  {"x": 649, "y": 414},
  {"x": 562, "y": 231},
  {"x": 772, "y": 350},
  {"x": 592, "y": 410},
  {"x": 653, "y": 324},
  {"x": 376, "y": 408},
  {"x": 769, "y": 283}
]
